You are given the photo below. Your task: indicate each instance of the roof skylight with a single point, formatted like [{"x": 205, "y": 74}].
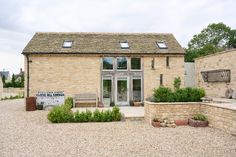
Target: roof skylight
[
  {"x": 124, "y": 45},
  {"x": 162, "y": 45},
  {"x": 67, "y": 44}
]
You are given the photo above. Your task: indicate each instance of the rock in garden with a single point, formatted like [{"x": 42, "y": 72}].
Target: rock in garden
[{"x": 163, "y": 124}]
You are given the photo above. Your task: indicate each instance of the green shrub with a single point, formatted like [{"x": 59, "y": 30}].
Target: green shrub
[
  {"x": 107, "y": 116},
  {"x": 181, "y": 95},
  {"x": 13, "y": 97},
  {"x": 60, "y": 114},
  {"x": 177, "y": 83},
  {"x": 200, "y": 117},
  {"x": 97, "y": 116},
  {"x": 69, "y": 102},
  {"x": 163, "y": 94},
  {"x": 195, "y": 94},
  {"x": 116, "y": 114},
  {"x": 83, "y": 116}
]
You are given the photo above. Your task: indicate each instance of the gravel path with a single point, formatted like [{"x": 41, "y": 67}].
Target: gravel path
[{"x": 30, "y": 134}]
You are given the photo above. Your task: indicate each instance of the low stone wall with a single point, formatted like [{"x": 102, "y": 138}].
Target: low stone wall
[
  {"x": 174, "y": 111},
  {"x": 219, "y": 117},
  {"x": 13, "y": 90}
]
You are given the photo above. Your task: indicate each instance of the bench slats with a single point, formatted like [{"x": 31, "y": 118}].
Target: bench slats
[{"x": 85, "y": 98}]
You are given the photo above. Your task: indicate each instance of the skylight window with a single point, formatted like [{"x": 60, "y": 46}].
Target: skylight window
[
  {"x": 162, "y": 45},
  {"x": 124, "y": 45},
  {"x": 67, "y": 44}
]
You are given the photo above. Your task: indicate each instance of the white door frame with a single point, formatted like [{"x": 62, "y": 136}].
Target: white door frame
[
  {"x": 107, "y": 78},
  {"x": 122, "y": 103}
]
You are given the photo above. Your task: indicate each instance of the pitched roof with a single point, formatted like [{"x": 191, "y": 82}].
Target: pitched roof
[{"x": 143, "y": 43}]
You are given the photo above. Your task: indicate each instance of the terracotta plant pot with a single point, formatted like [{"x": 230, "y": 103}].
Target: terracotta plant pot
[
  {"x": 137, "y": 104},
  {"x": 30, "y": 104},
  {"x": 181, "y": 122},
  {"x": 197, "y": 123},
  {"x": 156, "y": 124}
]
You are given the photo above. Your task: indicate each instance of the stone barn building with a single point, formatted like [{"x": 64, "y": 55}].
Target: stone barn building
[{"x": 119, "y": 67}]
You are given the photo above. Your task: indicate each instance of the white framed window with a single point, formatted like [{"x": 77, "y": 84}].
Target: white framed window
[
  {"x": 67, "y": 44},
  {"x": 135, "y": 63},
  {"x": 121, "y": 63},
  {"x": 162, "y": 45},
  {"x": 124, "y": 45},
  {"x": 107, "y": 63}
]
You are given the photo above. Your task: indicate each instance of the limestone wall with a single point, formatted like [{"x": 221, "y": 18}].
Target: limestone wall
[
  {"x": 223, "y": 118},
  {"x": 152, "y": 76},
  {"x": 81, "y": 74},
  {"x": 18, "y": 91},
  {"x": 70, "y": 74},
  {"x": 223, "y": 60},
  {"x": 1, "y": 87},
  {"x": 174, "y": 111}
]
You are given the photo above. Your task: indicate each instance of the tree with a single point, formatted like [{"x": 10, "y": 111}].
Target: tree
[
  {"x": 232, "y": 39},
  {"x": 13, "y": 80},
  {"x": 3, "y": 79},
  {"x": 216, "y": 37}
]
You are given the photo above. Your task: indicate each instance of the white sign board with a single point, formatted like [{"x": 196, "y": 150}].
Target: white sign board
[{"x": 50, "y": 98}]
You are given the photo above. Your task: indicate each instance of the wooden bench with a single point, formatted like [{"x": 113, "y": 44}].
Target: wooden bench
[{"x": 85, "y": 100}]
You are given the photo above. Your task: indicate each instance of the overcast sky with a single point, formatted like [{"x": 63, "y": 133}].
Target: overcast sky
[{"x": 20, "y": 19}]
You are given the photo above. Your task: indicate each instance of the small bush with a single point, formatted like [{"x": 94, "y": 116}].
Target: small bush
[
  {"x": 200, "y": 117},
  {"x": 13, "y": 97},
  {"x": 69, "y": 102},
  {"x": 97, "y": 116},
  {"x": 116, "y": 114},
  {"x": 177, "y": 83},
  {"x": 60, "y": 114},
  {"x": 107, "y": 116},
  {"x": 63, "y": 114},
  {"x": 163, "y": 94}
]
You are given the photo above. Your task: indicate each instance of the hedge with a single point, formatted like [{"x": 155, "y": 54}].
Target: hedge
[
  {"x": 163, "y": 94},
  {"x": 63, "y": 114}
]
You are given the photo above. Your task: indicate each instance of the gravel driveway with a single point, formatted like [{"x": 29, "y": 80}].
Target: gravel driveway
[{"x": 30, "y": 134}]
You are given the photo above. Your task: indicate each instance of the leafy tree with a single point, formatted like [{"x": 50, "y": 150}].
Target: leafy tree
[
  {"x": 13, "y": 80},
  {"x": 232, "y": 39},
  {"x": 216, "y": 37},
  {"x": 3, "y": 79}
]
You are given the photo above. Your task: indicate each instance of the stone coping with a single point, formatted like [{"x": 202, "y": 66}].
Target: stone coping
[
  {"x": 172, "y": 103},
  {"x": 229, "y": 106}
]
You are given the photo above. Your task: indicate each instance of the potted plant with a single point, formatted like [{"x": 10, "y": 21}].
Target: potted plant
[
  {"x": 156, "y": 122},
  {"x": 199, "y": 120},
  {"x": 181, "y": 122},
  {"x": 39, "y": 107},
  {"x": 137, "y": 103}
]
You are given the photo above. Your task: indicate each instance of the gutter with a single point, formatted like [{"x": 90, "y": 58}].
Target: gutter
[{"x": 104, "y": 53}]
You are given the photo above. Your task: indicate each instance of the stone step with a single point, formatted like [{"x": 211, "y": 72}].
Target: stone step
[{"x": 134, "y": 118}]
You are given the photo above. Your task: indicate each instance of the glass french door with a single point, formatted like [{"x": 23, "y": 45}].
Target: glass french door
[
  {"x": 122, "y": 91},
  {"x": 107, "y": 91}
]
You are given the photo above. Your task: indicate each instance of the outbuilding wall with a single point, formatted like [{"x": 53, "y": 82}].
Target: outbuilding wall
[
  {"x": 222, "y": 60},
  {"x": 152, "y": 75},
  {"x": 70, "y": 74},
  {"x": 75, "y": 74}
]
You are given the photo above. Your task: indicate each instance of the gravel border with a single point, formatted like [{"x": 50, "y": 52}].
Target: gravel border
[{"x": 30, "y": 134}]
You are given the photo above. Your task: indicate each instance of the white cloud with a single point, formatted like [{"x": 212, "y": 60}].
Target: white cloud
[{"x": 20, "y": 19}]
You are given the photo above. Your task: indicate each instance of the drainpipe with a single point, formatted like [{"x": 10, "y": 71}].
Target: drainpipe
[{"x": 27, "y": 85}]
